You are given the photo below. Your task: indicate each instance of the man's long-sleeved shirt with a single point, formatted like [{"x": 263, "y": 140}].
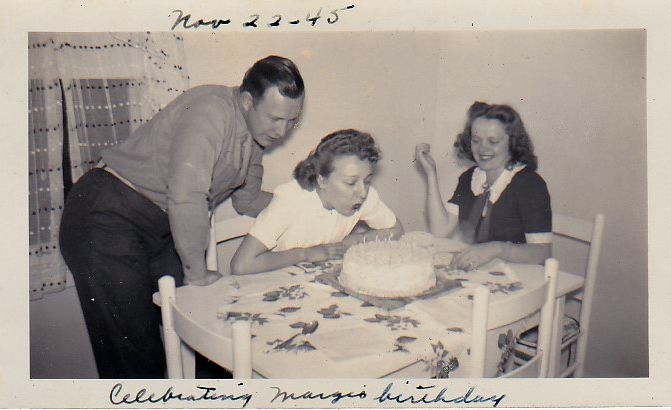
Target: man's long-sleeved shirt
[{"x": 188, "y": 158}]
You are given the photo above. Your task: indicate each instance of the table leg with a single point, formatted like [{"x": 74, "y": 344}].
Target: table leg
[
  {"x": 188, "y": 362},
  {"x": 554, "y": 354}
]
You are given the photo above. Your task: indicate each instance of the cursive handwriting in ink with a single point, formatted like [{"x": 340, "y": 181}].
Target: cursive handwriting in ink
[
  {"x": 276, "y": 22},
  {"x": 255, "y": 20},
  {"x": 184, "y": 20},
  {"x": 252, "y": 22},
  {"x": 308, "y": 395},
  {"x": 432, "y": 397},
  {"x": 314, "y": 19},
  {"x": 335, "y": 14},
  {"x": 142, "y": 396}
]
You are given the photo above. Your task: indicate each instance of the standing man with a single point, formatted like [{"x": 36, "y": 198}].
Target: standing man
[{"x": 143, "y": 212}]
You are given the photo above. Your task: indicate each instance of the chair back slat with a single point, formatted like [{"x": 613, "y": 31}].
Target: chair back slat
[
  {"x": 590, "y": 233},
  {"x": 171, "y": 341},
  {"x": 209, "y": 344},
  {"x": 530, "y": 369},
  {"x": 232, "y": 228},
  {"x": 511, "y": 310},
  {"x": 223, "y": 230},
  {"x": 182, "y": 336},
  {"x": 588, "y": 291},
  {"x": 479, "y": 330},
  {"x": 488, "y": 316},
  {"x": 547, "y": 316},
  {"x": 570, "y": 227},
  {"x": 242, "y": 349},
  {"x": 594, "y": 250}
]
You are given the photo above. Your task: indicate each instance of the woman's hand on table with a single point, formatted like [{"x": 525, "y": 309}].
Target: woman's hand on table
[
  {"x": 209, "y": 278},
  {"x": 325, "y": 252},
  {"x": 476, "y": 255}
]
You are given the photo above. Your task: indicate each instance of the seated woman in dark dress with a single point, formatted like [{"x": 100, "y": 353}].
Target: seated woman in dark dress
[{"x": 501, "y": 206}]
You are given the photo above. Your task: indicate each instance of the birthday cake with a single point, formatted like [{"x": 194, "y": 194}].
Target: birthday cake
[{"x": 388, "y": 269}]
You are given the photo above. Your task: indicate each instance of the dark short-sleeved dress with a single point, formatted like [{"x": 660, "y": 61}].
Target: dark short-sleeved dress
[{"x": 520, "y": 212}]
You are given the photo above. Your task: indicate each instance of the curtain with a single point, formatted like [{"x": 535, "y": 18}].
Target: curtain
[{"x": 87, "y": 92}]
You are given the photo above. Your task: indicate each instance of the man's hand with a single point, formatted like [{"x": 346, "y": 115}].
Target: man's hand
[
  {"x": 209, "y": 278},
  {"x": 325, "y": 252}
]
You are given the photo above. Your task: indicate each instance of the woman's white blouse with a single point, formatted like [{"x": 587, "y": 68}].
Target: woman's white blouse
[{"x": 296, "y": 218}]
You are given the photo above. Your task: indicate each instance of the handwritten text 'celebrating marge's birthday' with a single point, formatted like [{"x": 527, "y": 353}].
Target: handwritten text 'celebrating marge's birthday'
[
  {"x": 257, "y": 20},
  {"x": 421, "y": 395}
]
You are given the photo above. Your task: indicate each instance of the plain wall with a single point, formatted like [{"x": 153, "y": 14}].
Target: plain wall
[
  {"x": 580, "y": 93},
  {"x": 582, "y": 96}
]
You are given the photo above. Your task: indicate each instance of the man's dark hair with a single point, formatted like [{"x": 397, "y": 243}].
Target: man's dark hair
[{"x": 273, "y": 71}]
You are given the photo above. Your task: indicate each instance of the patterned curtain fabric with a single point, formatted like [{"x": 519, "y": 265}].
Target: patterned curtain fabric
[{"x": 87, "y": 91}]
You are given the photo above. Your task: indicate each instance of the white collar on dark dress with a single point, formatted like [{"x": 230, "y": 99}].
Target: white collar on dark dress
[{"x": 479, "y": 178}]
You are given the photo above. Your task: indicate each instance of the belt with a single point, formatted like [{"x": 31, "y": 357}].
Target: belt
[{"x": 107, "y": 168}]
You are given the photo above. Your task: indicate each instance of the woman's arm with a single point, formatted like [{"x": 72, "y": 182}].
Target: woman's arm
[
  {"x": 355, "y": 237},
  {"x": 441, "y": 223},
  {"x": 253, "y": 257},
  {"x": 479, "y": 254},
  {"x": 531, "y": 253}
]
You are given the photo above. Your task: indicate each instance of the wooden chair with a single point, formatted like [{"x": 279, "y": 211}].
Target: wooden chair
[
  {"x": 589, "y": 233},
  {"x": 225, "y": 225},
  {"x": 568, "y": 331},
  {"x": 507, "y": 312},
  {"x": 182, "y": 336}
]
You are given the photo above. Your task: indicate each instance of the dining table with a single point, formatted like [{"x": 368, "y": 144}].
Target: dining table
[{"x": 305, "y": 327}]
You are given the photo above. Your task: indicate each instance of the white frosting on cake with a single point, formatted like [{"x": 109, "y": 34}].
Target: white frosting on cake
[{"x": 388, "y": 269}]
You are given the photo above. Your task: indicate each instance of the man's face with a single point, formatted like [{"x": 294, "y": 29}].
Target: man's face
[{"x": 272, "y": 117}]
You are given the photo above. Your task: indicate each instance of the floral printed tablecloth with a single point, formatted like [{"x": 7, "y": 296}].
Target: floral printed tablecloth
[{"x": 305, "y": 329}]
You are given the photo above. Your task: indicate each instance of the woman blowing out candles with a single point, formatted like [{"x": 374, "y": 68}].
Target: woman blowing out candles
[
  {"x": 501, "y": 206},
  {"x": 312, "y": 217}
]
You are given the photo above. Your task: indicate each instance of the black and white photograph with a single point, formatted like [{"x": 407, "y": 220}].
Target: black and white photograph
[{"x": 298, "y": 206}]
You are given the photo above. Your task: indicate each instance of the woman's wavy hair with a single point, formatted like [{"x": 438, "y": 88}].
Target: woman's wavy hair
[
  {"x": 338, "y": 143},
  {"x": 520, "y": 147}
]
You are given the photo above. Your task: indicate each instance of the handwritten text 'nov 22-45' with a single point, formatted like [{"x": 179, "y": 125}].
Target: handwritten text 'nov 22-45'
[{"x": 255, "y": 20}]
